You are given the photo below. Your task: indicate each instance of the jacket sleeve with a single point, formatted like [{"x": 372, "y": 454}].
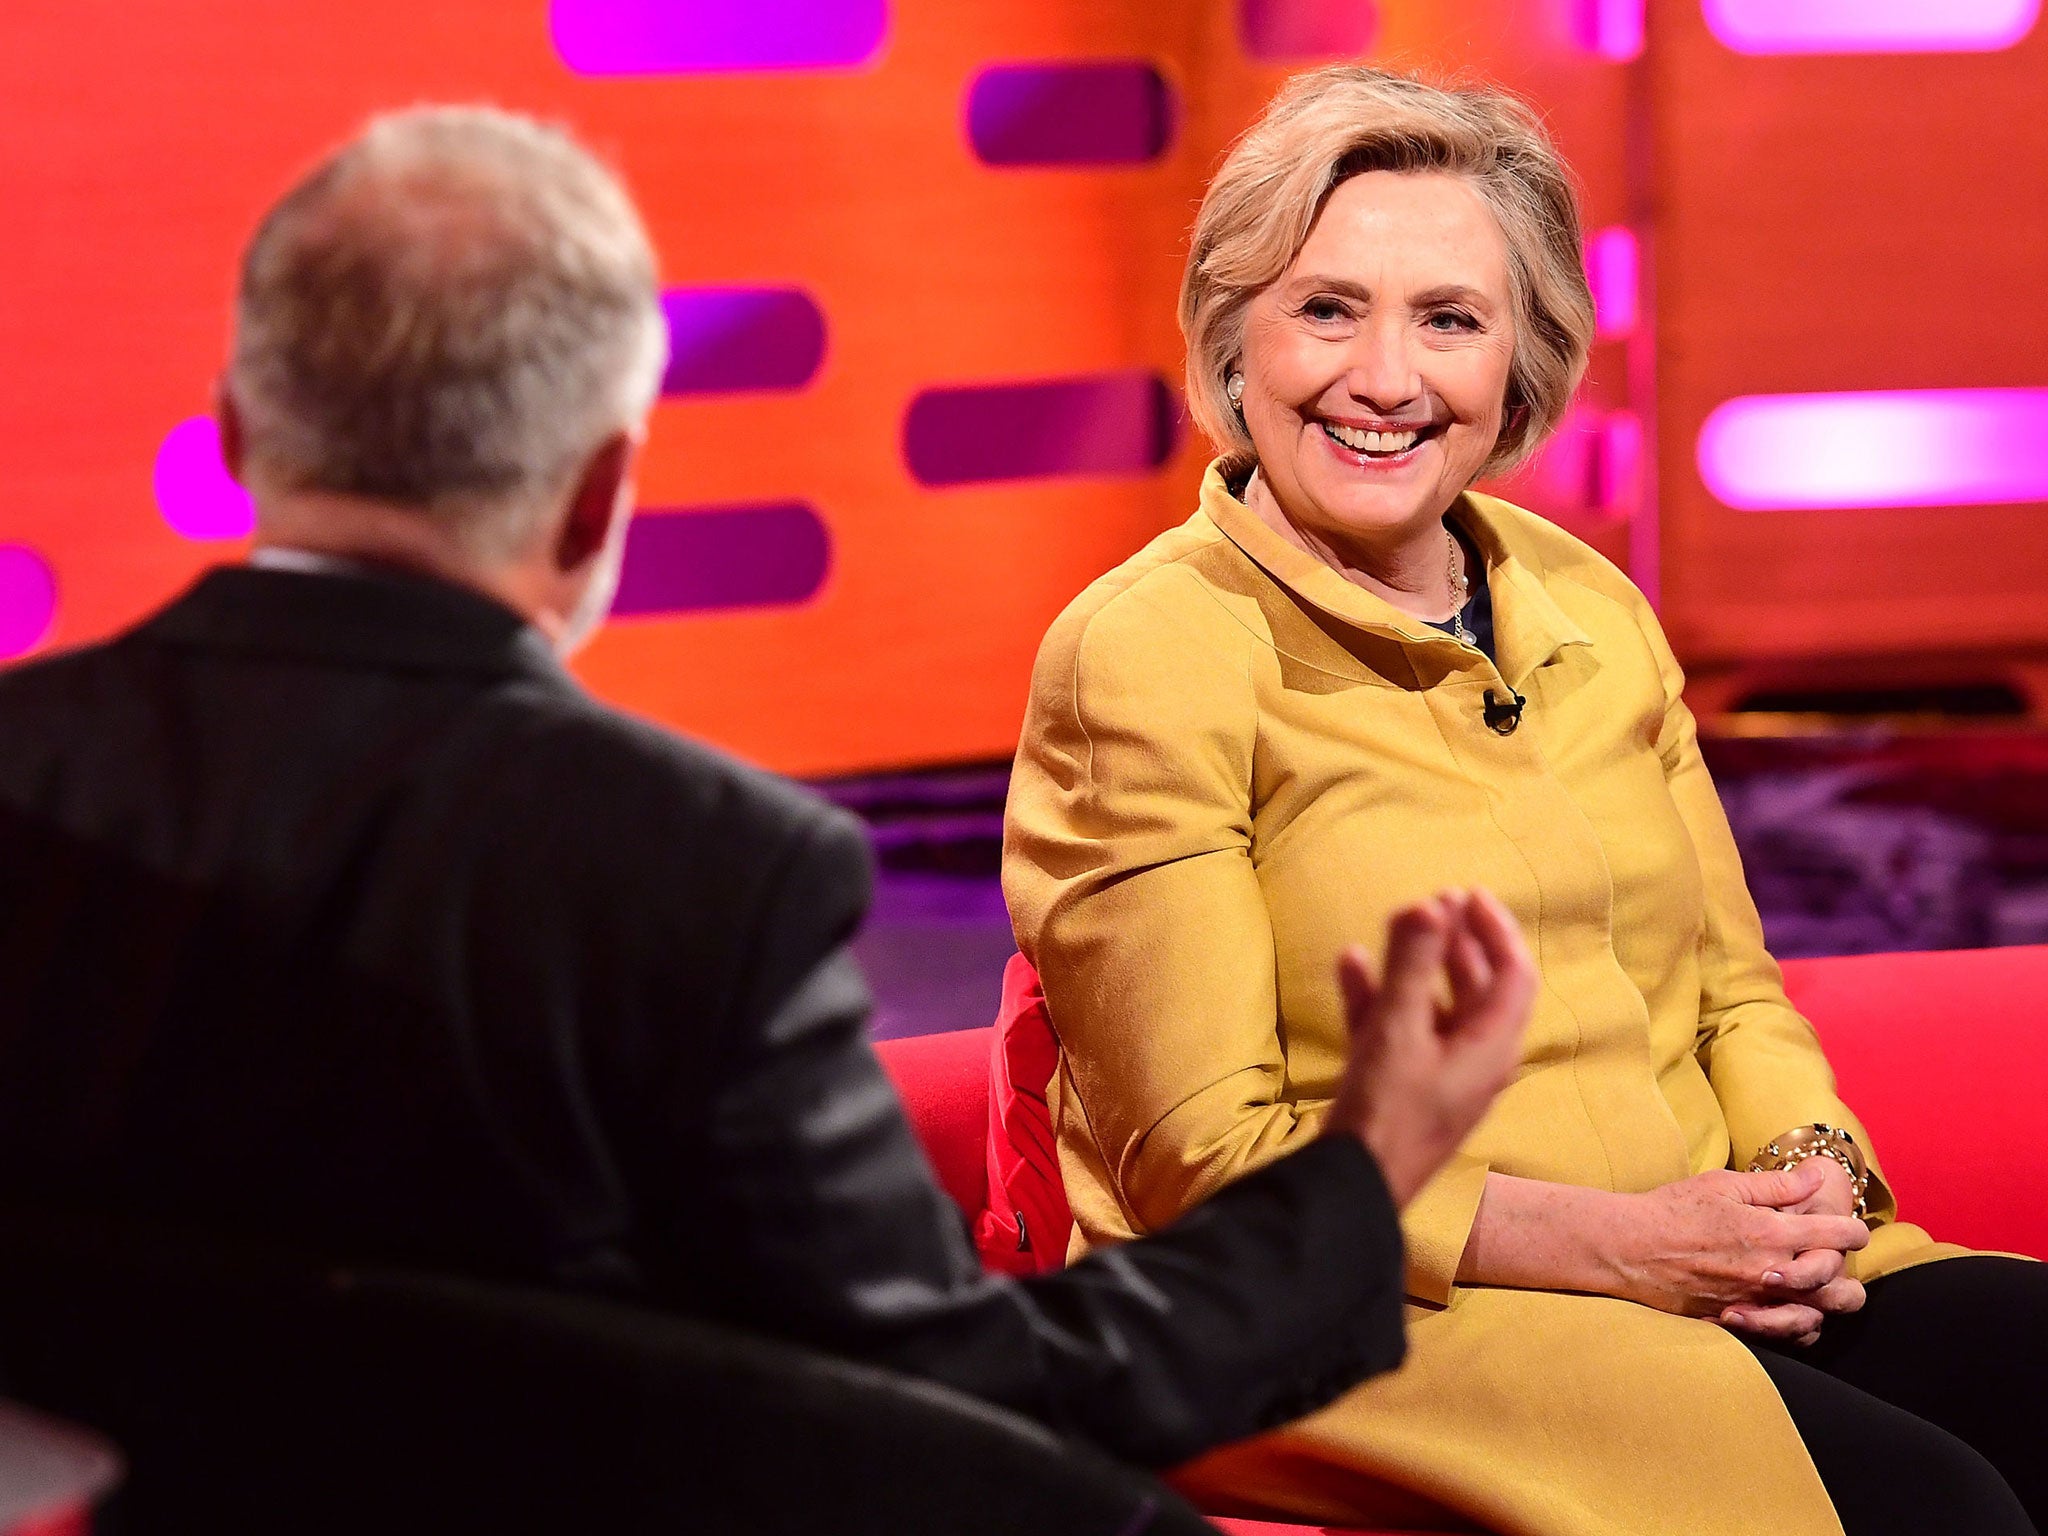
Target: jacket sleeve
[
  {"x": 1127, "y": 864},
  {"x": 1760, "y": 1054},
  {"x": 832, "y": 1229}
]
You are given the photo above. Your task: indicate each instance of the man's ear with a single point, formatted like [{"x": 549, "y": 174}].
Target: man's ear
[
  {"x": 227, "y": 416},
  {"x": 597, "y": 502}
]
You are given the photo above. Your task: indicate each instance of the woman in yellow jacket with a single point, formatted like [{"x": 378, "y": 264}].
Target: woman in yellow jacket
[{"x": 1660, "y": 1289}]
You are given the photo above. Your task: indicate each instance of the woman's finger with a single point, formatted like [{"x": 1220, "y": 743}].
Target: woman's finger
[
  {"x": 1844, "y": 1234},
  {"x": 1839, "y": 1297},
  {"x": 1808, "y": 1272},
  {"x": 1786, "y": 1320},
  {"x": 1783, "y": 1188}
]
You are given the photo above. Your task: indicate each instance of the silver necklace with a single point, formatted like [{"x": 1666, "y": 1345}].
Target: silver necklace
[{"x": 1459, "y": 589}]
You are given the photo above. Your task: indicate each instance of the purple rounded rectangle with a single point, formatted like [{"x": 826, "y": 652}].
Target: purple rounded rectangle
[
  {"x": 1870, "y": 26},
  {"x": 658, "y": 37},
  {"x": 722, "y": 340},
  {"x": 1289, "y": 31},
  {"x": 1069, "y": 114},
  {"x": 28, "y": 600},
  {"x": 1099, "y": 424},
  {"x": 1877, "y": 448},
  {"x": 690, "y": 560}
]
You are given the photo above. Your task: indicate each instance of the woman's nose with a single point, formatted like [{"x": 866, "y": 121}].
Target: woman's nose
[{"x": 1383, "y": 371}]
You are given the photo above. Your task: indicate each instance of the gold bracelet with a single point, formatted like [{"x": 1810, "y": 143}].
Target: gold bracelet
[{"x": 1796, "y": 1146}]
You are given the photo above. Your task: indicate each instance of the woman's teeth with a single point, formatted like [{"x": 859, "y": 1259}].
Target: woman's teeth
[{"x": 1371, "y": 442}]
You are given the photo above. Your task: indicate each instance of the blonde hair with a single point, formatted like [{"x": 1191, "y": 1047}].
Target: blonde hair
[{"x": 1331, "y": 124}]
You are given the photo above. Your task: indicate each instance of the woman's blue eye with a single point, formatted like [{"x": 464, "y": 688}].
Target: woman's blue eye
[
  {"x": 1323, "y": 309},
  {"x": 1452, "y": 320}
]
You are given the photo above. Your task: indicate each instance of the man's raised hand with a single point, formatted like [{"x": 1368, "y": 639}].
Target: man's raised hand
[{"x": 1435, "y": 1038}]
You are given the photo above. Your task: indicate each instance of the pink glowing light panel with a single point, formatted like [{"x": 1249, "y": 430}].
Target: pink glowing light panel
[
  {"x": 1295, "y": 31},
  {"x": 1884, "y": 448},
  {"x": 194, "y": 492},
  {"x": 28, "y": 600},
  {"x": 1870, "y": 26},
  {"x": 1611, "y": 28},
  {"x": 1614, "y": 272}
]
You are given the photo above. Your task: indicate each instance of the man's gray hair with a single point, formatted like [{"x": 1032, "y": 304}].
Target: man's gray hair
[{"x": 451, "y": 313}]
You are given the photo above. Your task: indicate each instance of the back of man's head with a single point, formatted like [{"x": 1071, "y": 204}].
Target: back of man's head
[{"x": 449, "y": 314}]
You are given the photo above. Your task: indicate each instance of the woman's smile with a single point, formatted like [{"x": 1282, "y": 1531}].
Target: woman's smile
[{"x": 1377, "y": 449}]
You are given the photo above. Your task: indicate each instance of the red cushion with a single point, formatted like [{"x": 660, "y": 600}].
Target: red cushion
[
  {"x": 1944, "y": 1057},
  {"x": 1025, "y": 1228},
  {"x": 943, "y": 1082}
]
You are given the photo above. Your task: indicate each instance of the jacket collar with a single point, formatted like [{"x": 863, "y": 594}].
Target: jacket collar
[
  {"x": 374, "y": 619},
  {"x": 1529, "y": 627}
]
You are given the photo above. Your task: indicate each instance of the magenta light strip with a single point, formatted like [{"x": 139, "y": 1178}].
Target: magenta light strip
[
  {"x": 1897, "y": 448},
  {"x": 1096, "y": 424},
  {"x": 1612, "y": 28},
  {"x": 1293, "y": 31},
  {"x": 194, "y": 491},
  {"x": 1614, "y": 272},
  {"x": 725, "y": 340},
  {"x": 28, "y": 600},
  {"x": 1870, "y": 26},
  {"x": 680, "y": 37},
  {"x": 692, "y": 560},
  {"x": 1091, "y": 112}
]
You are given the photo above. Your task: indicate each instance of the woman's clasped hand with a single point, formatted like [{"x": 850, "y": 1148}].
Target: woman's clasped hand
[{"x": 1759, "y": 1252}]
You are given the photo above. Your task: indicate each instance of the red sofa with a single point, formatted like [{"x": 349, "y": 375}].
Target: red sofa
[{"x": 1944, "y": 1056}]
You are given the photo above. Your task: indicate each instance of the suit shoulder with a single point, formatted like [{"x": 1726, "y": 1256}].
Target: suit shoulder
[
  {"x": 61, "y": 676},
  {"x": 685, "y": 785},
  {"x": 51, "y": 704},
  {"x": 1162, "y": 606}
]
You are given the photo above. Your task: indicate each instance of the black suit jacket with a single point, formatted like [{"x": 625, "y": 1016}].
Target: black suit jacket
[{"x": 334, "y": 913}]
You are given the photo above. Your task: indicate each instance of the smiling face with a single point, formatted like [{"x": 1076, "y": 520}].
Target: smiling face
[{"x": 1376, "y": 367}]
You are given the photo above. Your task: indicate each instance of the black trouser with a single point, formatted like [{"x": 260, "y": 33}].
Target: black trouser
[{"x": 1923, "y": 1412}]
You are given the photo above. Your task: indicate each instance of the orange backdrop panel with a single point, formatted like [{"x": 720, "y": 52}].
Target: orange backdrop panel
[
  {"x": 142, "y": 143},
  {"x": 1845, "y": 223}
]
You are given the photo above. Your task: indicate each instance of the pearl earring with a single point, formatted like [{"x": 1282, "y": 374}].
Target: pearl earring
[{"x": 1234, "y": 388}]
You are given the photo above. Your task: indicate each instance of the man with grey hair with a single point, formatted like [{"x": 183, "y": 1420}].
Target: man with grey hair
[
  {"x": 444, "y": 333},
  {"x": 334, "y": 914}
]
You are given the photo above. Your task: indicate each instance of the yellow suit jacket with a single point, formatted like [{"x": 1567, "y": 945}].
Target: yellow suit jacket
[{"x": 1234, "y": 763}]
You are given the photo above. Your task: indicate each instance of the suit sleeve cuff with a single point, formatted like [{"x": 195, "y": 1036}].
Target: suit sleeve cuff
[
  {"x": 1437, "y": 1225},
  {"x": 1347, "y": 1217}
]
